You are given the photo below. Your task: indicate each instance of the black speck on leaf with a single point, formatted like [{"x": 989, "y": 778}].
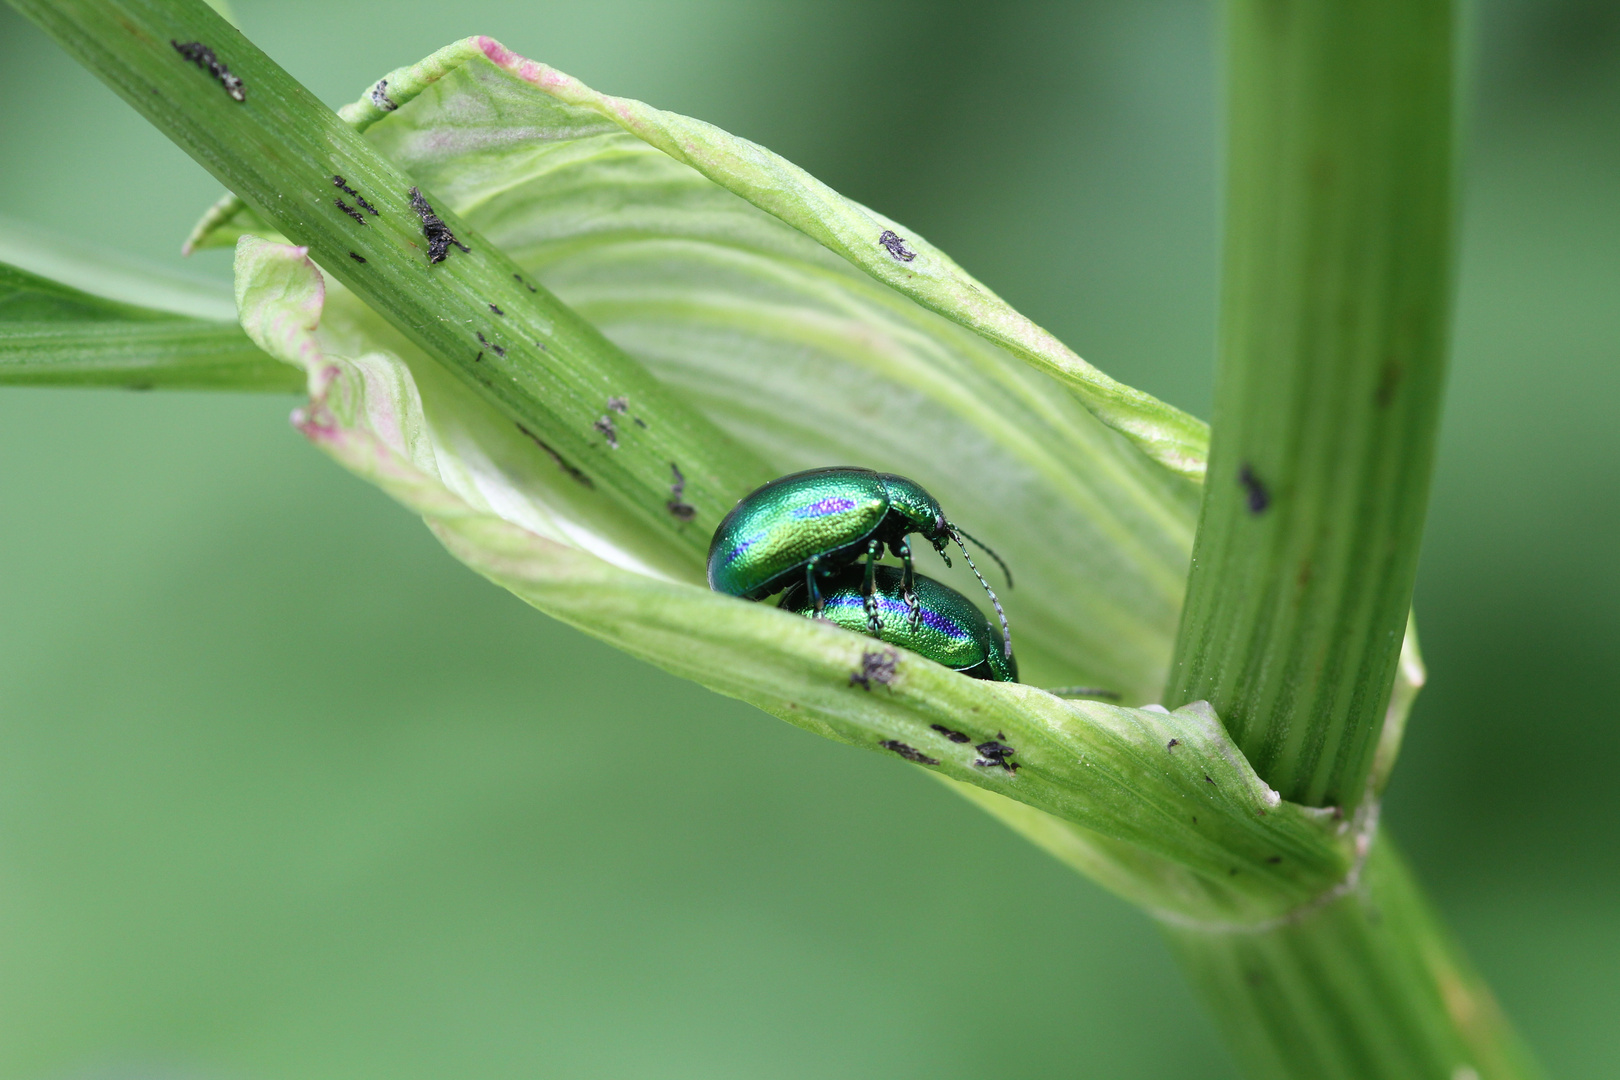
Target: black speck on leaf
[
  {"x": 204, "y": 58},
  {"x": 1259, "y": 498},
  {"x": 896, "y": 246}
]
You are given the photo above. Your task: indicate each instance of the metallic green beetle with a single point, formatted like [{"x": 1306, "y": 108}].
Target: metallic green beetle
[
  {"x": 948, "y": 630},
  {"x": 812, "y": 524}
]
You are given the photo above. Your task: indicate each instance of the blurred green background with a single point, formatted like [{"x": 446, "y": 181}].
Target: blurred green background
[{"x": 287, "y": 792}]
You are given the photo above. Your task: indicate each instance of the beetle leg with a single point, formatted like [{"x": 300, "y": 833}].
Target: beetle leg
[
  {"x": 908, "y": 583},
  {"x": 811, "y": 586},
  {"x": 874, "y": 548}
]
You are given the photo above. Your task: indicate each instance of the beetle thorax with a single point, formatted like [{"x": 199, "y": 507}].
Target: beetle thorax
[{"x": 921, "y": 510}]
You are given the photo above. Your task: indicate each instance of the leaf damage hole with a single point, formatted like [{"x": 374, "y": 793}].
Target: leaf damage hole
[
  {"x": 558, "y": 458},
  {"x": 438, "y": 234},
  {"x": 910, "y": 753},
  {"x": 896, "y": 245},
  {"x": 204, "y": 58}
]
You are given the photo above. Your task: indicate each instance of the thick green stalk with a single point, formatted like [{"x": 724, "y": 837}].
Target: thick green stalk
[
  {"x": 234, "y": 110},
  {"x": 1332, "y": 356},
  {"x": 1332, "y": 353},
  {"x": 1368, "y": 986}
]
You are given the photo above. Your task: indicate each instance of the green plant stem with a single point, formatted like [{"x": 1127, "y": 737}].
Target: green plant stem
[
  {"x": 1334, "y": 307},
  {"x": 1366, "y": 987},
  {"x": 1332, "y": 353},
  {"x": 517, "y": 346}
]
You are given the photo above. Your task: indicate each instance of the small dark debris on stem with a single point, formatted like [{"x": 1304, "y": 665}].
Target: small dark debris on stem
[
  {"x": 951, "y": 733},
  {"x": 876, "y": 667},
  {"x": 558, "y": 458},
  {"x": 438, "y": 234},
  {"x": 682, "y": 510},
  {"x": 351, "y": 211},
  {"x": 1259, "y": 497},
  {"x": 342, "y": 186},
  {"x": 357, "y": 257},
  {"x": 910, "y": 753},
  {"x": 896, "y": 246},
  {"x": 204, "y": 58},
  {"x": 994, "y": 753}
]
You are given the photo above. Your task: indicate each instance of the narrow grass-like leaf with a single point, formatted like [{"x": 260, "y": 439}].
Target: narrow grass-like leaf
[
  {"x": 429, "y": 274},
  {"x": 55, "y": 334}
]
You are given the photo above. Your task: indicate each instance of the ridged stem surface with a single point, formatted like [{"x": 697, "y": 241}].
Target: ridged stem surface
[{"x": 1332, "y": 355}]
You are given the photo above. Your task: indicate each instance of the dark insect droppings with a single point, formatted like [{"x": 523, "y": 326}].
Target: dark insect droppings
[
  {"x": 684, "y": 511},
  {"x": 875, "y": 667},
  {"x": 558, "y": 458},
  {"x": 910, "y": 753},
  {"x": 896, "y": 246},
  {"x": 951, "y": 734},
  {"x": 204, "y": 58},
  {"x": 438, "y": 234},
  {"x": 357, "y": 257},
  {"x": 351, "y": 211},
  {"x": 993, "y": 753},
  {"x": 1259, "y": 497},
  {"x": 379, "y": 96}
]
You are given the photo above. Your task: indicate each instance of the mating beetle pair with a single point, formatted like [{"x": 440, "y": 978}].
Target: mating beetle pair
[{"x": 811, "y": 528}]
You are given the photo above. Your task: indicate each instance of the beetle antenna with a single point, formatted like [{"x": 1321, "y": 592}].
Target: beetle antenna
[
  {"x": 999, "y": 561},
  {"x": 1006, "y": 631},
  {"x": 1083, "y": 691}
]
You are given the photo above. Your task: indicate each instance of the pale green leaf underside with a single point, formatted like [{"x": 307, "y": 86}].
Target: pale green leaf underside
[
  {"x": 800, "y": 354},
  {"x": 500, "y": 119},
  {"x": 1186, "y": 824}
]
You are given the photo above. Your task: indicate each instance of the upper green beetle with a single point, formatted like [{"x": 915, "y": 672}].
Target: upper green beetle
[{"x": 810, "y": 524}]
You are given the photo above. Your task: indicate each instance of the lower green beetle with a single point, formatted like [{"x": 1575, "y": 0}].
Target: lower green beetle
[
  {"x": 943, "y": 626},
  {"x": 810, "y": 525}
]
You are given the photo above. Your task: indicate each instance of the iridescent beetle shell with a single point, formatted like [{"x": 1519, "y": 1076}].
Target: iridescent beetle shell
[
  {"x": 830, "y": 516},
  {"x": 949, "y": 629}
]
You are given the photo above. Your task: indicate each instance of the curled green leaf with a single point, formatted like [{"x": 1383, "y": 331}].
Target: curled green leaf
[{"x": 1168, "y": 786}]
